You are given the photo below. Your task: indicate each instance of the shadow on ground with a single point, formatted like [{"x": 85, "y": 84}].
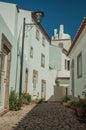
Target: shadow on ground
[
  {"x": 24, "y": 122},
  {"x": 50, "y": 116}
]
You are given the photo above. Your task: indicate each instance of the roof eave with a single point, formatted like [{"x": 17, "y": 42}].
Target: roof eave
[
  {"x": 41, "y": 27},
  {"x": 83, "y": 24}
]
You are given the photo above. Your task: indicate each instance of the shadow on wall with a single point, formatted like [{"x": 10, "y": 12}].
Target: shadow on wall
[{"x": 59, "y": 92}]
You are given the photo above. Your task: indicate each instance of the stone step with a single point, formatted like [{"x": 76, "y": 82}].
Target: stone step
[{"x": 3, "y": 111}]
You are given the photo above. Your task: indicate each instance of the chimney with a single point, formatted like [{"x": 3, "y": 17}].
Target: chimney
[
  {"x": 55, "y": 34},
  {"x": 61, "y": 32}
]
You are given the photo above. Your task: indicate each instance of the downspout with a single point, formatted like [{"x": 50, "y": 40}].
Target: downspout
[
  {"x": 22, "y": 58},
  {"x": 17, "y": 59}
]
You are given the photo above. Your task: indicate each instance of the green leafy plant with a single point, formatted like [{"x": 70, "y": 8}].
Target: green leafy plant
[
  {"x": 81, "y": 103},
  {"x": 25, "y": 98},
  {"x": 57, "y": 81},
  {"x": 40, "y": 100},
  {"x": 14, "y": 101},
  {"x": 84, "y": 94}
]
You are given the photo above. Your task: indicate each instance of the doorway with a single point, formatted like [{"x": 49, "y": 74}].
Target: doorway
[
  {"x": 26, "y": 80},
  {"x": 5, "y": 68},
  {"x": 43, "y": 89}
]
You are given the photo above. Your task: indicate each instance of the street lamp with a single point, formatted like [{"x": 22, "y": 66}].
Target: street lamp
[{"x": 38, "y": 18}]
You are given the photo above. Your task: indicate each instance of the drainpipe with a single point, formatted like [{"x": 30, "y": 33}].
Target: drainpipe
[
  {"x": 22, "y": 59},
  {"x": 18, "y": 54}
]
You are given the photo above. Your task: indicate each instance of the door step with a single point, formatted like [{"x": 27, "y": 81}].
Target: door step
[{"x": 3, "y": 111}]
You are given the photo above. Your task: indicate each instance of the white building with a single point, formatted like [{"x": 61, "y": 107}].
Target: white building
[
  {"x": 8, "y": 50},
  {"x": 77, "y": 54},
  {"x": 38, "y": 80},
  {"x": 62, "y": 41},
  {"x": 43, "y": 60},
  {"x": 36, "y": 52}
]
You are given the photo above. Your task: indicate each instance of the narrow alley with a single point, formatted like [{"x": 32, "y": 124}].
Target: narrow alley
[{"x": 50, "y": 116}]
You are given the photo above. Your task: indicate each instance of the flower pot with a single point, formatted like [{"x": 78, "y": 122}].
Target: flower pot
[{"x": 81, "y": 111}]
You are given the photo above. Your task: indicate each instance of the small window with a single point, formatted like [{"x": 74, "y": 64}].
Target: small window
[
  {"x": 68, "y": 65},
  {"x": 42, "y": 60},
  {"x": 37, "y": 34},
  {"x": 43, "y": 89},
  {"x": 35, "y": 76},
  {"x": 79, "y": 65},
  {"x": 31, "y": 52},
  {"x": 60, "y": 45},
  {"x": 43, "y": 41}
]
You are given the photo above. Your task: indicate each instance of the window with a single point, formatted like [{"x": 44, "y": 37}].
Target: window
[
  {"x": 79, "y": 65},
  {"x": 67, "y": 64},
  {"x": 31, "y": 52},
  {"x": 43, "y": 41},
  {"x": 37, "y": 34},
  {"x": 26, "y": 80},
  {"x": 60, "y": 45},
  {"x": 35, "y": 80},
  {"x": 42, "y": 60},
  {"x": 43, "y": 89}
]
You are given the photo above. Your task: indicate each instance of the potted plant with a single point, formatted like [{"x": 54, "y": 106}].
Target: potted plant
[
  {"x": 25, "y": 99},
  {"x": 81, "y": 107},
  {"x": 57, "y": 81}
]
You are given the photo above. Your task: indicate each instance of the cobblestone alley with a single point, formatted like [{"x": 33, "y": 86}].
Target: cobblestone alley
[{"x": 50, "y": 116}]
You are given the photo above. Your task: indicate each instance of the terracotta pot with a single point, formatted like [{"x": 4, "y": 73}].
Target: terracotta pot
[{"x": 81, "y": 111}]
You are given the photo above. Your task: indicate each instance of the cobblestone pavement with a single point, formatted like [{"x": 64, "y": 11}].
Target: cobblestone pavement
[
  {"x": 11, "y": 118},
  {"x": 50, "y": 116}
]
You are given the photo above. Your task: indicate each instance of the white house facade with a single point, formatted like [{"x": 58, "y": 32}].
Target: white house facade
[
  {"x": 29, "y": 60},
  {"x": 77, "y": 54},
  {"x": 62, "y": 41},
  {"x": 8, "y": 50},
  {"x": 37, "y": 79},
  {"x": 36, "y": 52}
]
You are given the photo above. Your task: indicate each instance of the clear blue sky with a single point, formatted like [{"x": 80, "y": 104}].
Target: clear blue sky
[{"x": 70, "y": 13}]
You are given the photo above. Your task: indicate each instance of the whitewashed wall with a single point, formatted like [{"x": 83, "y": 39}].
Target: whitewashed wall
[
  {"x": 80, "y": 46},
  {"x": 35, "y": 62},
  {"x": 66, "y": 44},
  {"x": 5, "y": 30}
]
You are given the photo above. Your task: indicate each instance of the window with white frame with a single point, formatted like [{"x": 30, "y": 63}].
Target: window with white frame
[
  {"x": 42, "y": 60},
  {"x": 79, "y": 65},
  {"x": 37, "y": 34},
  {"x": 35, "y": 78},
  {"x": 31, "y": 52}
]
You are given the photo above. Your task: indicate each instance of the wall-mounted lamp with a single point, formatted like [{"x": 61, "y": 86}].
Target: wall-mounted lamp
[
  {"x": 38, "y": 18},
  {"x": 39, "y": 15}
]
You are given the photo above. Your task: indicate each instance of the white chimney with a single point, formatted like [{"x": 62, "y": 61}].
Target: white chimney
[
  {"x": 61, "y": 32},
  {"x": 52, "y": 37},
  {"x": 61, "y": 28},
  {"x": 55, "y": 34}
]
